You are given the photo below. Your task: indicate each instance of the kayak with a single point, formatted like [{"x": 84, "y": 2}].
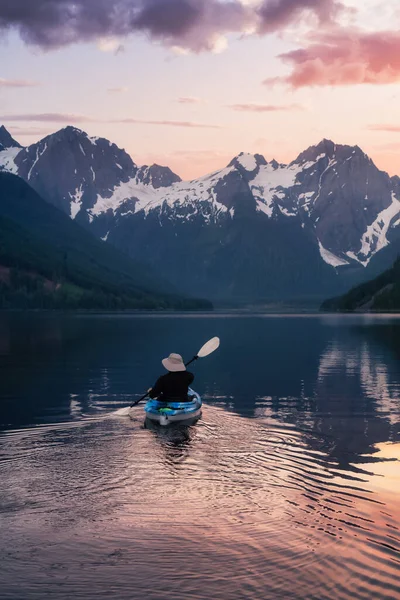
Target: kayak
[{"x": 165, "y": 413}]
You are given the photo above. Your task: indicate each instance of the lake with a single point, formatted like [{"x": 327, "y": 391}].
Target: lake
[{"x": 288, "y": 487}]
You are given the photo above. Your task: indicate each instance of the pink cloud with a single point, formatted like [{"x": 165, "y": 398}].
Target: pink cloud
[
  {"x": 189, "y": 100},
  {"x": 344, "y": 57},
  {"x": 70, "y": 118},
  {"x": 17, "y": 83},
  {"x": 49, "y": 118},
  {"x": 28, "y": 131},
  {"x": 387, "y": 128},
  {"x": 189, "y": 124},
  {"x": 261, "y": 108},
  {"x": 118, "y": 90}
]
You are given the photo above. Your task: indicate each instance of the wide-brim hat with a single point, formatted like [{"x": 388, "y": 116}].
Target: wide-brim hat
[{"x": 174, "y": 363}]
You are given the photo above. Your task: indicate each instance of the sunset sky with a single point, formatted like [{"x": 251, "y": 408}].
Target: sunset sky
[{"x": 191, "y": 83}]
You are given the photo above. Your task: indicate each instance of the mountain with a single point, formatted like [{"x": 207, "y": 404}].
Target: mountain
[
  {"x": 380, "y": 294},
  {"x": 6, "y": 140},
  {"x": 71, "y": 170},
  {"x": 48, "y": 260},
  {"x": 255, "y": 230}
]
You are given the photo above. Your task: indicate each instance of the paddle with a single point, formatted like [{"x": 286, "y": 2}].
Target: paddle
[{"x": 204, "y": 351}]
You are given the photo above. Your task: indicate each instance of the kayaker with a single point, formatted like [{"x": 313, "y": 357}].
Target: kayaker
[{"x": 173, "y": 386}]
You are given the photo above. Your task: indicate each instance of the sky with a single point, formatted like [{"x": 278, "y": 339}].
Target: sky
[{"x": 192, "y": 83}]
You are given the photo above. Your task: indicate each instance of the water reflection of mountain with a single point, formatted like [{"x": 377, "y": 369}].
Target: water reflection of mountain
[
  {"x": 341, "y": 383},
  {"x": 370, "y": 369},
  {"x": 357, "y": 403},
  {"x": 337, "y": 377}
]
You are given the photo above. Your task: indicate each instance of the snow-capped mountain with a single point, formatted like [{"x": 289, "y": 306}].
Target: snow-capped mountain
[
  {"x": 69, "y": 168},
  {"x": 336, "y": 191},
  {"x": 253, "y": 229},
  {"x": 72, "y": 170}
]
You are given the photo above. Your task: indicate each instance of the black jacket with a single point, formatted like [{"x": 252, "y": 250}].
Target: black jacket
[{"x": 173, "y": 386}]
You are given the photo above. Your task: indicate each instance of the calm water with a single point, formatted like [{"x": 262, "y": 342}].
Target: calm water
[{"x": 289, "y": 486}]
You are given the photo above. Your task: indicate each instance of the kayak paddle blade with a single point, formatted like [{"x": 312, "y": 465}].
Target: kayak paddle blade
[{"x": 209, "y": 347}]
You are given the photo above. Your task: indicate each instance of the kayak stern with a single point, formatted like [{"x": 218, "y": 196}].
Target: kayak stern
[{"x": 165, "y": 413}]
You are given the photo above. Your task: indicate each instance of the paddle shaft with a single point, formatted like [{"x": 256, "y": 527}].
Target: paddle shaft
[{"x": 147, "y": 394}]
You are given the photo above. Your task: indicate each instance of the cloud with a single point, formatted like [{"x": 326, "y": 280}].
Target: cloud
[
  {"x": 110, "y": 45},
  {"x": 389, "y": 146},
  {"x": 73, "y": 119},
  {"x": 17, "y": 83},
  {"x": 189, "y": 124},
  {"x": 387, "y": 128},
  {"x": 49, "y": 118},
  {"x": 344, "y": 57},
  {"x": 194, "y": 25},
  {"x": 262, "y": 108},
  {"x": 275, "y": 14},
  {"x": 28, "y": 131},
  {"x": 189, "y": 100},
  {"x": 118, "y": 90}
]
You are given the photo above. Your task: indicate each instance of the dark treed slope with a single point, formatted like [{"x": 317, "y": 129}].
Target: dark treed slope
[
  {"x": 380, "y": 294},
  {"x": 47, "y": 260}
]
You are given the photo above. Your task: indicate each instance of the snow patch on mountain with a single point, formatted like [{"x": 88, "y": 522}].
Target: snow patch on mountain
[
  {"x": 247, "y": 161},
  {"x": 211, "y": 178},
  {"x": 38, "y": 155},
  {"x": 375, "y": 237},
  {"x": 269, "y": 181},
  {"x": 287, "y": 212},
  {"x": 130, "y": 190},
  {"x": 195, "y": 195},
  {"x": 306, "y": 197},
  {"x": 330, "y": 258},
  {"x": 76, "y": 201},
  {"x": 7, "y": 160},
  {"x": 308, "y": 164}
]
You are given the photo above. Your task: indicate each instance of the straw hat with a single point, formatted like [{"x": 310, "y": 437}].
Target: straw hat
[{"x": 173, "y": 363}]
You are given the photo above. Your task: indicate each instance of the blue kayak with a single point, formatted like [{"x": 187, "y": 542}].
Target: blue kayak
[{"x": 173, "y": 412}]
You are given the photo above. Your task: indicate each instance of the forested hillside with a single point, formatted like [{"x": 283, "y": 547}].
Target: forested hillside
[
  {"x": 48, "y": 261},
  {"x": 380, "y": 294}
]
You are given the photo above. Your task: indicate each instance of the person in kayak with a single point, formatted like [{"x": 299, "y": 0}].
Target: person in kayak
[{"x": 174, "y": 386}]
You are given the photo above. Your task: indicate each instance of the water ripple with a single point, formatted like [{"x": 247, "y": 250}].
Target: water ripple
[{"x": 232, "y": 508}]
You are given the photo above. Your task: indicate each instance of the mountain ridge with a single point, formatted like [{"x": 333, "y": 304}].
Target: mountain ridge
[{"x": 331, "y": 198}]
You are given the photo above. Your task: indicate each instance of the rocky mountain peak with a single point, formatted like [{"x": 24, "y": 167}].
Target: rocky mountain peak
[
  {"x": 247, "y": 162},
  {"x": 6, "y": 139},
  {"x": 325, "y": 149},
  {"x": 70, "y": 130},
  {"x": 330, "y": 151},
  {"x": 157, "y": 176},
  {"x": 275, "y": 165},
  {"x": 71, "y": 168}
]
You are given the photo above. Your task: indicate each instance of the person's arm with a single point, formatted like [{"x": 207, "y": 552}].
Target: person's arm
[
  {"x": 190, "y": 378},
  {"x": 157, "y": 389}
]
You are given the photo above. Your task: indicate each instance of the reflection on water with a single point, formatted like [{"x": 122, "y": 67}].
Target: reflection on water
[
  {"x": 287, "y": 488},
  {"x": 374, "y": 375},
  {"x": 231, "y": 508}
]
